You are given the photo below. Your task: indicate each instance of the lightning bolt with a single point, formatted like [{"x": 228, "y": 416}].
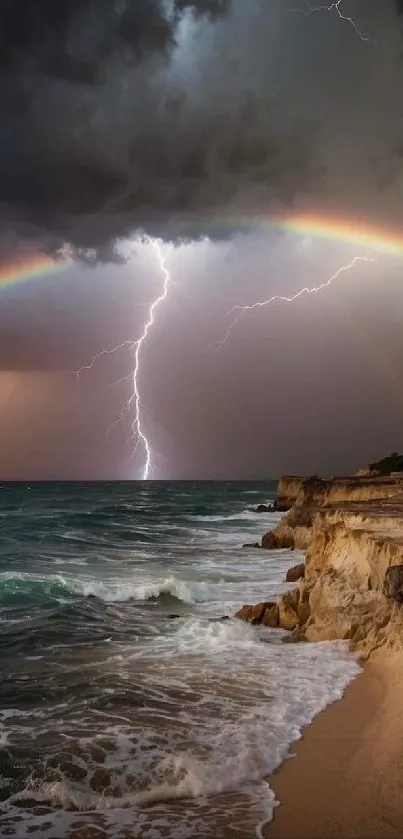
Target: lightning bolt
[
  {"x": 283, "y": 299},
  {"x": 133, "y": 403},
  {"x": 332, "y": 7}
]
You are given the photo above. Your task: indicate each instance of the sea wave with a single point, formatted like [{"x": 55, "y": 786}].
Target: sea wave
[
  {"x": 248, "y": 741},
  {"x": 18, "y": 588},
  {"x": 186, "y": 591},
  {"x": 22, "y": 587},
  {"x": 244, "y": 515}
]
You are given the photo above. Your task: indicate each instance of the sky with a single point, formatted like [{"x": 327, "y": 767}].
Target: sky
[{"x": 202, "y": 124}]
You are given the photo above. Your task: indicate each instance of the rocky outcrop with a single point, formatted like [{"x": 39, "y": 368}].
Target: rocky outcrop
[
  {"x": 264, "y": 614},
  {"x": 297, "y": 572},
  {"x": 393, "y": 583},
  {"x": 288, "y": 490},
  {"x": 256, "y": 614},
  {"x": 315, "y": 494},
  {"x": 353, "y": 591},
  {"x": 275, "y": 539},
  {"x": 283, "y": 614},
  {"x": 288, "y": 617},
  {"x": 271, "y": 616},
  {"x": 351, "y": 585}
]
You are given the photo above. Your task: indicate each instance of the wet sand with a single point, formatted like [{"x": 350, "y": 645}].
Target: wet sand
[{"x": 346, "y": 780}]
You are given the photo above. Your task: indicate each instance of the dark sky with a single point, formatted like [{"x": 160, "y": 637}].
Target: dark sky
[{"x": 169, "y": 119}]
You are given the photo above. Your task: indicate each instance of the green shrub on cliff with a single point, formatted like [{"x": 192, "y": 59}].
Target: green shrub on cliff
[{"x": 392, "y": 463}]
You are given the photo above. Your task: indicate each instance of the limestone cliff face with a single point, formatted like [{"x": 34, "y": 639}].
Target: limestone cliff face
[
  {"x": 353, "y": 582},
  {"x": 359, "y": 490},
  {"x": 288, "y": 490},
  {"x": 295, "y": 528},
  {"x": 345, "y": 569},
  {"x": 325, "y": 492}
]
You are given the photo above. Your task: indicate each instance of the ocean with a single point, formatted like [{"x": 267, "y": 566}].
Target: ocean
[{"x": 126, "y": 708}]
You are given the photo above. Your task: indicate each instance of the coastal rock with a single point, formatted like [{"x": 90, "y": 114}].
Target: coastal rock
[
  {"x": 288, "y": 610},
  {"x": 252, "y": 613},
  {"x": 354, "y": 593},
  {"x": 251, "y": 545},
  {"x": 219, "y": 620},
  {"x": 304, "y": 609},
  {"x": 266, "y": 613},
  {"x": 269, "y": 541},
  {"x": 270, "y": 616},
  {"x": 305, "y": 497},
  {"x": 274, "y": 540},
  {"x": 393, "y": 583},
  {"x": 288, "y": 490},
  {"x": 297, "y": 572},
  {"x": 351, "y": 529},
  {"x": 264, "y": 508}
]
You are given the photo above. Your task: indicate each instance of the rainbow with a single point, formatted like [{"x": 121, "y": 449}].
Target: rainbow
[
  {"x": 309, "y": 225},
  {"x": 31, "y": 267},
  {"x": 349, "y": 231},
  {"x": 325, "y": 227}
]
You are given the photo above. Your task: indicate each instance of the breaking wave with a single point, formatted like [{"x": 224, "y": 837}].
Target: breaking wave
[
  {"x": 187, "y": 592},
  {"x": 29, "y": 587}
]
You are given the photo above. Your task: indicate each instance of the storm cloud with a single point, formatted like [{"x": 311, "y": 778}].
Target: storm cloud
[{"x": 167, "y": 116}]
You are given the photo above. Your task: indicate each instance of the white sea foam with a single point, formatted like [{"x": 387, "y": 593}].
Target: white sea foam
[
  {"x": 240, "y": 730},
  {"x": 189, "y": 592},
  {"x": 199, "y": 708},
  {"x": 244, "y": 515}
]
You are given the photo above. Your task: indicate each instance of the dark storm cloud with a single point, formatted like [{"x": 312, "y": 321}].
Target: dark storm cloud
[
  {"x": 102, "y": 134},
  {"x": 162, "y": 115},
  {"x": 71, "y": 38}
]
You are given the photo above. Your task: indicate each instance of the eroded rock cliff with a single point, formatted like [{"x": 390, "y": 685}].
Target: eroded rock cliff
[
  {"x": 352, "y": 583},
  {"x": 347, "y": 572},
  {"x": 295, "y": 528}
]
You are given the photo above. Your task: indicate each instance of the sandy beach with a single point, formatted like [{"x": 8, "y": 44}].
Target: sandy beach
[{"x": 347, "y": 777}]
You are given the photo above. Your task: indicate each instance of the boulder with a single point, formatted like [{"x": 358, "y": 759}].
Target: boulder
[
  {"x": 272, "y": 540},
  {"x": 256, "y": 614},
  {"x": 297, "y": 572},
  {"x": 252, "y": 613},
  {"x": 288, "y": 610},
  {"x": 264, "y": 508},
  {"x": 393, "y": 583},
  {"x": 251, "y": 545},
  {"x": 269, "y": 541},
  {"x": 270, "y": 616},
  {"x": 219, "y": 620}
]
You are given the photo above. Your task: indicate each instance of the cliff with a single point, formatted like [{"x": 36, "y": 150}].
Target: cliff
[
  {"x": 288, "y": 490},
  {"x": 352, "y": 583},
  {"x": 314, "y": 494},
  {"x": 347, "y": 575}
]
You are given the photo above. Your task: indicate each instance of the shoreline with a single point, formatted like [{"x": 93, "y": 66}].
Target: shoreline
[
  {"x": 346, "y": 779},
  {"x": 344, "y": 776}
]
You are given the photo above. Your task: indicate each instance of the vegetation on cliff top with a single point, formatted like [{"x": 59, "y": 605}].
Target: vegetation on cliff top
[{"x": 391, "y": 463}]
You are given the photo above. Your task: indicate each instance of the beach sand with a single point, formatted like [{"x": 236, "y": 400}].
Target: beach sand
[{"x": 346, "y": 780}]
